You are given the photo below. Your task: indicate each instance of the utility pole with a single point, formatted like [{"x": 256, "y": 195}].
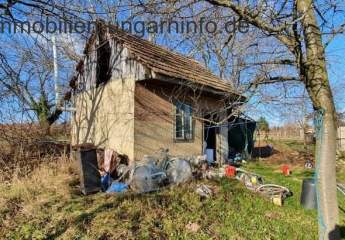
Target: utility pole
[{"x": 56, "y": 76}]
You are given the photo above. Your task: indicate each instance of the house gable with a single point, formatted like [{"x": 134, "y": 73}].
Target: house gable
[{"x": 112, "y": 113}]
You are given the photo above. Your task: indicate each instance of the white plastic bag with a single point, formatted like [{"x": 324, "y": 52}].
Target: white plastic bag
[{"x": 178, "y": 171}]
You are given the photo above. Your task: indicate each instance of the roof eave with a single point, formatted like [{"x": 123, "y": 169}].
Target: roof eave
[{"x": 206, "y": 88}]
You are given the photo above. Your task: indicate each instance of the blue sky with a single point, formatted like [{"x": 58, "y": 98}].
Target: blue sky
[{"x": 335, "y": 53}]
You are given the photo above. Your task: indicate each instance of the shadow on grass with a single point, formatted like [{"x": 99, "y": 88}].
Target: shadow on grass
[
  {"x": 305, "y": 174},
  {"x": 82, "y": 221},
  {"x": 263, "y": 151}
]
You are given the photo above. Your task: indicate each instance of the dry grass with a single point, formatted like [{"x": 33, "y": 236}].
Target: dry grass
[
  {"x": 47, "y": 205},
  {"x": 27, "y": 197},
  {"x": 23, "y": 147}
]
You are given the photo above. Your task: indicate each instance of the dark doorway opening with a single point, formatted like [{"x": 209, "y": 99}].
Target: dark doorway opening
[
  {"x": 241, "y": 136},
  {"x": 103, "y": 70}
]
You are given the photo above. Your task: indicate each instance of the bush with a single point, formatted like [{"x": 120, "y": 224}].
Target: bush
[{"x": 24, "y": 146}]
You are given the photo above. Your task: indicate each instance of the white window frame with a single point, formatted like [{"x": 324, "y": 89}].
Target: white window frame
[{"x": 182, "y": 113}]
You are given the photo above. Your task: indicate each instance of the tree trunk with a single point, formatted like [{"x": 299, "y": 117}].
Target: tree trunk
[
  {"x": 45, "y": 115},
  {"x": 317, "y": 84},
  {"x": 44, "y": 124}
]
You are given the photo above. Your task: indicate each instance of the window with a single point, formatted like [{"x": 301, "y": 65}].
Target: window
[{"x": 183, "y": 122}]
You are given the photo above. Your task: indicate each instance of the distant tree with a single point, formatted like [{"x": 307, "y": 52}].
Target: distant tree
[
  {"x": 263, "y": 125},
  {"x": 341, "y": 118},
  {"x": 27, "y": 82}
]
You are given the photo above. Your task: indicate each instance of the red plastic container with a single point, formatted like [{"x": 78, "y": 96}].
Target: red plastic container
[
  {"x": 285, "y": 170},
  {"x": 230, "y": 171}
]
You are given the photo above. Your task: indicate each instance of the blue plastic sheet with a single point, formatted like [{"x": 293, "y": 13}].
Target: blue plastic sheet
[{"x": 117, "y": 187}]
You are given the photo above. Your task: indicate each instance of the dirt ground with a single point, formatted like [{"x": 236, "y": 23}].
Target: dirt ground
[{"x": 284, "y": 152}]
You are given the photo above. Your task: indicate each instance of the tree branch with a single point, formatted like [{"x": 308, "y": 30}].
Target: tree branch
[
  {"x": 269, "y": 80},
  {"x": 258, "y": 22}
]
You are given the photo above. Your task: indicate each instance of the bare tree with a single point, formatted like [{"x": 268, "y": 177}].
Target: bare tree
[
  {"x": 26, "y": 75},
  {"x": 294, "y": 24},
  {"x": 296, "y": 30}
]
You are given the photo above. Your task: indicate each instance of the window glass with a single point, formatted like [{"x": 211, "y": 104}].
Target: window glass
[
  {"x": 179, "y": 126},
  {"x": 183, "y": 122}
]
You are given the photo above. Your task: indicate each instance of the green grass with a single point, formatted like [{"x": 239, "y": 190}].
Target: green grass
[
  {"x": 48, "y": 205},
  {"x": 294, "y": 183},
  {"x": 43, "y": 210}
]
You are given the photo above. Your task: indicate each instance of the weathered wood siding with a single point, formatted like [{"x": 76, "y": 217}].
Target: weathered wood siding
[{"x": 154, "y": 123}]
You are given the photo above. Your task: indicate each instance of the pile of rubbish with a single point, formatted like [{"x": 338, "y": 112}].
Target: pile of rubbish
[
  {"x": 108, "y": 171},
  {"x": 252, "y": 181},
  {"x": 236, "y": 159},
  {"x": 117, "y": 174},
  {"x": 153, "y": 172}
]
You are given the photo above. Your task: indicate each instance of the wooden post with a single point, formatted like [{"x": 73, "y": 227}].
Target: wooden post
[{"x": 222, "y": 144}]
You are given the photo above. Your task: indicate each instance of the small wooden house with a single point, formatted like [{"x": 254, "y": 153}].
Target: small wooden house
[{"x": 136, "y": 97}]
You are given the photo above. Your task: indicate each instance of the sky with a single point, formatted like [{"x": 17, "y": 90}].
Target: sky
[{"x": 335, "y": 53}]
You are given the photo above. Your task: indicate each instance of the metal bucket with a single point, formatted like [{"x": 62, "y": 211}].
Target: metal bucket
[{"x": 308, "y": 194}]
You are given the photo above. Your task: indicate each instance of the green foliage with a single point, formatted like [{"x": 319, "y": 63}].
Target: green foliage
[
  {"x": 341, "y": 156},
  {"x": 46, "y": 113},
  {"x": 263, "y": 125}
]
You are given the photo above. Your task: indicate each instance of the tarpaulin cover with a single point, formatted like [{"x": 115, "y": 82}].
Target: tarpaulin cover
[
  {"x": 241, "y": 135},
  {"x": 146, "y": 178},
  {"x": 106, "y": 181},
  {"x": 117, "y": 187},
  {"x": 110, "y": 157}
]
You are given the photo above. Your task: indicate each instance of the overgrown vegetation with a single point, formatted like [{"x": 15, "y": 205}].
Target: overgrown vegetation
[
  {"x": 47, "y": 205},
  {"x": 24, "y": 146}
]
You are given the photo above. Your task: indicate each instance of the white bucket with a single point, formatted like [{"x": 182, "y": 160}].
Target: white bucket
[{"x": 210, "y": 155}]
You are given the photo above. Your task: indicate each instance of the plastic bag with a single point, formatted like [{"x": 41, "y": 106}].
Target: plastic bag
[
  {"x": 178, "y": 171},
  {"x": 106, "y": 181},
  {"x": 146, "y": 178}
]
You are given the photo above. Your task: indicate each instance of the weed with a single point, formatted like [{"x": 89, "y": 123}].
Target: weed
[{"x": 47, "y": 205}]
